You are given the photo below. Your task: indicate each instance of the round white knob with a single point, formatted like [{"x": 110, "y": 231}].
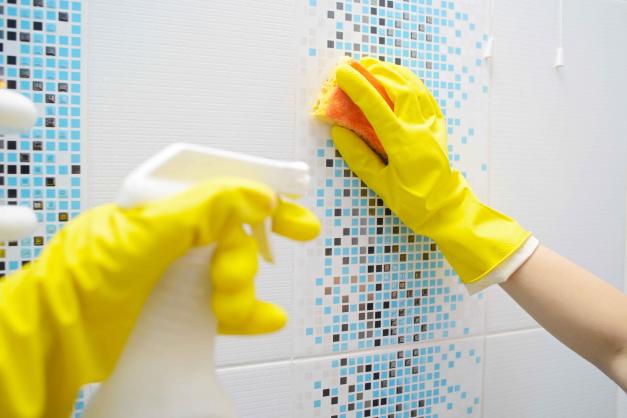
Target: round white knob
[
  {"x": 17, "y": 113},
  {"x": 16, "y": 222}
]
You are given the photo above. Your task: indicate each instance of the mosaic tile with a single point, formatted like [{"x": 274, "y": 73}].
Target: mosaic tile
[
  {"x": 41, "y": 169},
  {"x": 41, "y": 58},
  {"x": 369, "y": 281},
  {"x": 427, "y": 381}
]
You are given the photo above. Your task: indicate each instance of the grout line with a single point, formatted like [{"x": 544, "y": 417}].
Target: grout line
[
  {"x": 515, "y": 331},
  {"x": 253, "y": 364},
  {"x": 396, "y": 347},
  {"x": 296, "y": 155},
  {"x": 329, "y": 356},
  {"x": 490, "y": 27}
]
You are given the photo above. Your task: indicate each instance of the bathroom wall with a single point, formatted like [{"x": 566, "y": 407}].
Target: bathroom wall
[{"x": 379, "y": 324}]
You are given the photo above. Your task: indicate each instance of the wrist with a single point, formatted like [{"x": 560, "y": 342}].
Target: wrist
[{"x": 503, "y": 271}]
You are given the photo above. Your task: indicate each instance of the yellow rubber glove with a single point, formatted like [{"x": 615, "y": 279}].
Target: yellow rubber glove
[
  {"x": 418, "y": 183},
  {"x": 65, "y": 318}
]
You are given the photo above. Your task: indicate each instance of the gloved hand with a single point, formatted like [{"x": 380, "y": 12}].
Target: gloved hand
[
  {"x": 418, "y": 183},
  {"x": 65, "y": 318}
]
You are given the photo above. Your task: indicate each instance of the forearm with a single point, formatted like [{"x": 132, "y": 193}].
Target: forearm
[
  {"x": 578, "y": 308},
  {"x": 55, "y": 335},
  {"x": 61, "y": 324}
]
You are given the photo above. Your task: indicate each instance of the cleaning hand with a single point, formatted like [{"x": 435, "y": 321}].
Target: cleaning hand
[
  {"x": 335, "y": 107},
  {"x": 65, "y": 318},
  {"x": 417, "y": 183}
]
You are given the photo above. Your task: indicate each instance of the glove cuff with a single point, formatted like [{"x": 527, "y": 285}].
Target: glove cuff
[
  {"x": 474, "y": 238},
  {"x": 504, "y": 270}
]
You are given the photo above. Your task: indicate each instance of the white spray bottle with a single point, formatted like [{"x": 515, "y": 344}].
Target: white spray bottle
[{"x": 167, "y": 369}]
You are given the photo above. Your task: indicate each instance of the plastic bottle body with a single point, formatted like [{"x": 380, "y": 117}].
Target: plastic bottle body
[{"x": 167, "y": 369}]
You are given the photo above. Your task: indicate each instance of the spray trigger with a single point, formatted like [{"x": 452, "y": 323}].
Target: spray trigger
[{"x": 259, "y": 232}]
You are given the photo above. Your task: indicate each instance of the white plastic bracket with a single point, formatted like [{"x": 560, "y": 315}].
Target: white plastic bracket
[
  {"x": 559, "y": 57},
  {"x": 488, "y": 51}
]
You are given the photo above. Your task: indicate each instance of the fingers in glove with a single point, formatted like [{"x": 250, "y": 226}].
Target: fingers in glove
[
  {"x": 374, "y": 106},
  {"x": 233, "y": 268},
  {"x": 406, "y": 96},
  {"x": 364, "y": 162},
  {"x": 196, "y": 216},
  {"x": 235, "y": 260},
  {"x": 234, "y": 307},
  {"x": 294, "y": 221},
  {"x": 264, "y": 317},
  {"x": 430, "y": 113}
]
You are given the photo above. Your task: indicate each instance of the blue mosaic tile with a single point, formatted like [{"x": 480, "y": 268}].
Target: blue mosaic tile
[
  {"x": 369, "y": 286},
  {"x": 41, "y": 169},
  {"x": 375, "y": 283},
  {"x": 430, "y": 381}
]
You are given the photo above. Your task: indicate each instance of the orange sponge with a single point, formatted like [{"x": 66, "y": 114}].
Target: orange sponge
[{"x": 335, "y": 107}]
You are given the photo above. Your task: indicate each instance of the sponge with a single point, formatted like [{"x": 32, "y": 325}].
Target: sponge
[{"x": 335, "y": 107}]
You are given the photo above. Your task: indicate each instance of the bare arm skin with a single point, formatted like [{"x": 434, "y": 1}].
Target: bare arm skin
[{"x": 578, "y": 308}]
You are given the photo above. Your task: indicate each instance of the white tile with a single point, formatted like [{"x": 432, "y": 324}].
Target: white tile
[
  {"x": 595, "y": 96},
  {"x": 260, "y": 391},
  {"x": 181, "y": 73},
  {"x": 557, "y": 156},
  {"x": 530, "y": 374},
  {"x": 621, "y": 396},
  {"x": 523, "y": 83},
  {"x": 524, "y": 86},
  {"x": 621, "y": 404},
  {"x": 221, "y": 75},
  {"x": 440, "y": 379}
]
